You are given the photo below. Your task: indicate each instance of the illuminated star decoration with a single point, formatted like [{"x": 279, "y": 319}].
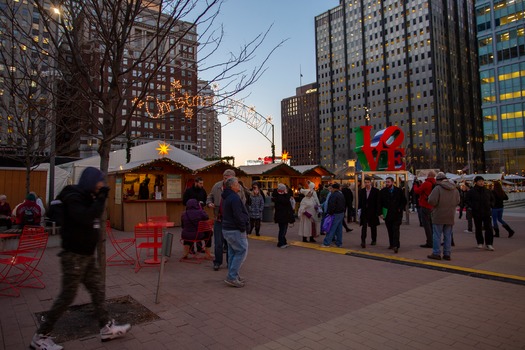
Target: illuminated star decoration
[
  {"x": 164, "y": 149},
  {"x": 284, "y": 157}
]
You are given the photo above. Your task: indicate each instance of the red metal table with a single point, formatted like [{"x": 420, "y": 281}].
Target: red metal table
[{"x": 157, "y": 233}]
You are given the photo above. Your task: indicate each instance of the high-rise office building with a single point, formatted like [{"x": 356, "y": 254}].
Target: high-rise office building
[
  {"x": 300, "y": 125},
  {"x": 412, "y": 64},
  {"x": 208, "y": 125},
  {"x": 501, "y": 42},
  {"x": 26, "y": 81}
]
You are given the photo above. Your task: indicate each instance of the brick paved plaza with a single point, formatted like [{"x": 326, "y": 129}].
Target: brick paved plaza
[{"x": 305, "y": 297}]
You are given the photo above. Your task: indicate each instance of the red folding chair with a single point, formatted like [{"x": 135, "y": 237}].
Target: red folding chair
[
  {"x": 121, "y": 245},
  {"x": 203, "y": 226},
  {"x": 143, "y": 241},
  {"x": 18, "y": 268}
]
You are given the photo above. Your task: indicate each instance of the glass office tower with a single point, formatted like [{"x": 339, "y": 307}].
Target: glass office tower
[
  {"x": 407, "y": 63},
  {"x": 501, "y": 42}
]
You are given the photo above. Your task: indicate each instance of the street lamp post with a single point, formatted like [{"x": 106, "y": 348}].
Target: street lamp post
[{"x": 52, "y": 147}]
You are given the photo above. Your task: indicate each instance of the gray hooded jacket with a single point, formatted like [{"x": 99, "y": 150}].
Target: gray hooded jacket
[{"x": 444, "y": 198}]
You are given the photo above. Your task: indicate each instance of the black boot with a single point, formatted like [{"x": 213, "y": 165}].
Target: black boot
[
  {"x": 511, "y": 231},
  {"x": 305, "y": 240},
  {"x": 496, "y": 231},
  {"x": 312, "y": 240}
]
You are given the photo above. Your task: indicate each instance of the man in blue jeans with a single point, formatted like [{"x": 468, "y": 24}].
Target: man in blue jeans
[
  {"x": 214, "y": 201},
  {"x": 235, "y": 223},
  {"x": 336, "y": 207},
  {"x": 444, "y": 198}
]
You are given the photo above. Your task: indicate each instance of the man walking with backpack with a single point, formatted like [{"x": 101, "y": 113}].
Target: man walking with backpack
[{"x": 83, "y": 205}]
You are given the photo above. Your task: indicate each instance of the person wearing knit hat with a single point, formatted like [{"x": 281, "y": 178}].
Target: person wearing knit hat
[
  {"x": 28, "y": 212},
  {"x": 444, "y": 198},
  {"x": 481, "y": 200},
  {"x": 441, "y": 176},
  {"x": 83, "y": 205}
]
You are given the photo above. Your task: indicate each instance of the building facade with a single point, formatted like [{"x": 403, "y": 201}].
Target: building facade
[
  {"x": 501, "y": 42},
  {"x": 412, "y": 64},
  {"x": 26, "y": 81},
  {"x": 176, "y": 78},
  {"x": 173, "y": 81},
  {"x": 208, "y": 126},
  {"x": 300, "y": 126}
]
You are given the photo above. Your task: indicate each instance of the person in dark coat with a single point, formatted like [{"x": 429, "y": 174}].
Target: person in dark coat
[
  {"x": 190, "y": 223},
  {"x": 335, "y": 208},
  {"x": 349, "y": 200},
  {"x": 368, "y": 211},
  {"x": 196, "y": 191},
  {"x": 5, "y": 212},
  {"x": 497, "y": 210},
  {"x": 235, "y": 223},
  {"x": 283, "y": 213},
  {"x": 481, "y": 200},
  {"x": 83, "y": 206},
  {"x": 393, "y": 202}
]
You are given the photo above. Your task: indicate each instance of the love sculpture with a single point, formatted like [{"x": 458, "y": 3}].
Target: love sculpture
[{"x": 383, "y": 152}]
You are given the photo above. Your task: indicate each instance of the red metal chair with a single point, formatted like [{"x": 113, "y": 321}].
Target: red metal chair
[
  {"x": 143, "y": 237},
  {"x": 18, "y": 268},
  {"x": 121, "y": 245},
  {"x": 203, "y": 226}
]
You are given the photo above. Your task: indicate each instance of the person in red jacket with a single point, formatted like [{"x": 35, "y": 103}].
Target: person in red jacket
[
  {"x": 28, "y": 212},
  {"x": 423, "y": 190}
]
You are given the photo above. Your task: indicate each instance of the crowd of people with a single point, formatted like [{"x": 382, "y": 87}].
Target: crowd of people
[
  {"x": 31, "y": 211},
  {"x": 237, "y": 213}
]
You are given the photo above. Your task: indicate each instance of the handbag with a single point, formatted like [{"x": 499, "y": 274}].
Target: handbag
[{"x": 327, "y": 223}]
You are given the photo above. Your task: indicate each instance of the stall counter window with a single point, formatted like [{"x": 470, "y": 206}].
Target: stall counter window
[{"x": 147, "y": 187}]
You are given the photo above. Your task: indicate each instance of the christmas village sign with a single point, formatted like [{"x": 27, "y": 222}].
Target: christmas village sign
[
  {"x": 381, "y": 153},
  {"x": 156, "y": 108}
]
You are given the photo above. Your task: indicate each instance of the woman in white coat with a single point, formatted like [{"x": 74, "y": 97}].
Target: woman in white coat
[{"x": 308, "y": 216}]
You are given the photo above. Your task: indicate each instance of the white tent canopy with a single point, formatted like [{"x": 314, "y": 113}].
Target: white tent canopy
[
  {"x": 61, "y": 178},
  {"x": 486, "y": 177},
  {"x": 514, "y": 177}
]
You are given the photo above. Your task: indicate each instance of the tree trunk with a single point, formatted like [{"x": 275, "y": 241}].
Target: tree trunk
[{"x": 103, "y": 151}]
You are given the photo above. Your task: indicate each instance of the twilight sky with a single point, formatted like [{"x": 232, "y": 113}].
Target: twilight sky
[{"x": 292, "y": 20}]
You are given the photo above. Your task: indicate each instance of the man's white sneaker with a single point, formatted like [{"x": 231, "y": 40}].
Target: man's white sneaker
[
  {"x": 489, "y": 247},
  {"x": 480, "y": 246},
  {"x": 42, "y": 342},
  {"x": 467, "y": 231},
  {"x": 112, "y": 331}
]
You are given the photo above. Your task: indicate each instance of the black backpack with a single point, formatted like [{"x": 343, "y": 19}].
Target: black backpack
[
  {"x": 56, "y": 212},
  {"x": 29, "y": 217}
]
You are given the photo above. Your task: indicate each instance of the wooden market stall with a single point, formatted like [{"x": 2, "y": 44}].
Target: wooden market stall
[
  {"x": 156, "y": 187},
  {"x": 269, "y": 175},
  {"x": 13, "y": 184},
  {"x": 314, "y": 173},
  {"x": 147, "y": 189}
]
